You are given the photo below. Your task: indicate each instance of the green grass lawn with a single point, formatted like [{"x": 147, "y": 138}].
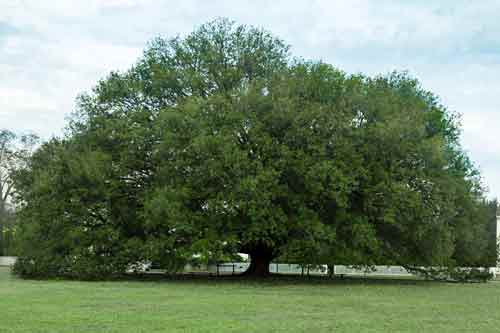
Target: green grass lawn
[{"x": 224, "y": 305}]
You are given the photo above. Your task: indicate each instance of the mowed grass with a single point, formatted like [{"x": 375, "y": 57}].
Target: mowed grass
[{"x": 210, "y": 305}]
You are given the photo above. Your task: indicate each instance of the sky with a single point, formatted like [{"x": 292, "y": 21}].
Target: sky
[{"x": 51, "y": 51}]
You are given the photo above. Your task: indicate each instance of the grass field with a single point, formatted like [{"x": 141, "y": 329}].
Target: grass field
[{"x": 224, "y": 305}]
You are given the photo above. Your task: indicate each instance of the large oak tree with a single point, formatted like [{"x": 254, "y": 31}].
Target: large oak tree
[{"x": 221, "y": 143}]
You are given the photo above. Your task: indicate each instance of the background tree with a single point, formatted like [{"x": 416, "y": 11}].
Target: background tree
[
  {"x": 488, "y": 212},
  {"x": 14, "y": 152},
  {"x": 220, "y": 143}
]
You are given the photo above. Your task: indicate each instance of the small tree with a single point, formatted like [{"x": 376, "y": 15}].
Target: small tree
[{"x": 14, "y": 153}]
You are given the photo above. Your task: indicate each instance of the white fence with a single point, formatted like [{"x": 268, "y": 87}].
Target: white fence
[
  {"x": 375, "y": 271},
  {"x": 339, "y": 270},
  {"x": 7, "y": 261},
  {"x": 239, "y": 267}
]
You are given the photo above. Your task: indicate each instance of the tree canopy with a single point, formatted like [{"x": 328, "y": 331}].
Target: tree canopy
[{"x": 222, "y": 143}]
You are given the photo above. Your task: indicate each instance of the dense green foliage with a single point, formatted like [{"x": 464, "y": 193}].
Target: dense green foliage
[
  {"x": 298, "y": 305},
  {"x": 220, "y": 143}
]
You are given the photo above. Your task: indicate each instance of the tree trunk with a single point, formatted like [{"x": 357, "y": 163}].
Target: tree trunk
[
  {"x": 331, "y": 270},
  {"x": 260, "y": 259}
]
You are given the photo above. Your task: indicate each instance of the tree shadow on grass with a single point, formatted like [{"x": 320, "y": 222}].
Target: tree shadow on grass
[
  {"x": 277, "y": 280},
  {"x": 274, "y": 279}
]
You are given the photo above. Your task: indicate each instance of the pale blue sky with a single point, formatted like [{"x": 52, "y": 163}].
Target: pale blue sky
[{"x": 52, "y": 50}]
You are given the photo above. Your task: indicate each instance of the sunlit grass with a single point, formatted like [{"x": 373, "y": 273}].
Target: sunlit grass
[{"x": 232, "y": 305}]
